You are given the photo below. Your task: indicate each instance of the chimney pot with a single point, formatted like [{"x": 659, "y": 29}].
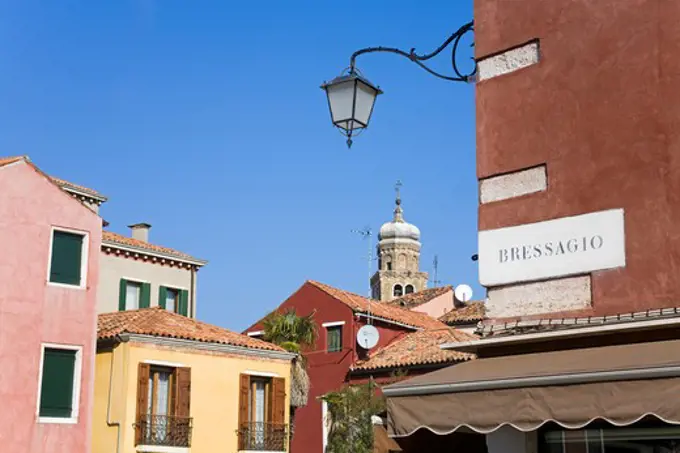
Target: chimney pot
[{"x": 140, "y": 231}]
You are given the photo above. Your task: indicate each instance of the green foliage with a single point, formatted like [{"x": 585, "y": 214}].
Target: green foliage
[
  {"x": 351, "y": 409},
  {"x": 290, "y": 331}
]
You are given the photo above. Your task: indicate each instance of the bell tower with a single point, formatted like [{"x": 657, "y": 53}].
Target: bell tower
[{"x": 398, "y": 257}]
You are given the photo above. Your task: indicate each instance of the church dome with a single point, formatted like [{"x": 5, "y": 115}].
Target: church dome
[{"x": 398, "y": 228}]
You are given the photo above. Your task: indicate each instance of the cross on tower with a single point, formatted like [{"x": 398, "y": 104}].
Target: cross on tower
[{"x": 397, "y": 188}]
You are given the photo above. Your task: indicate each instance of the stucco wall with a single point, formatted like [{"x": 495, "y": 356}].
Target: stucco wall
[
  {"x": 438, "y": 306},
  {"x": 33, "y": 312},
  {"x": 214, "y": 394},
  {"x": 601, "y": 111},
  {"x": 114, "y": 267}
]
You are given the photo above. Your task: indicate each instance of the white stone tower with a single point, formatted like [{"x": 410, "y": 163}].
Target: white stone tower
[{"x": 398, "y": 258}]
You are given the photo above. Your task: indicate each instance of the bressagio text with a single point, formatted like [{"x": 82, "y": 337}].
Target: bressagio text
[{"x": 550, "y": 248}]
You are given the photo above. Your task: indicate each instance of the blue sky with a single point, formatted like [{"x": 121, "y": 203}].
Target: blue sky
[{"x": 206, "y": 120}]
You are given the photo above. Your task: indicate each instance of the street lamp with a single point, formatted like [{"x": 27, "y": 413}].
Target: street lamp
[{"x": 351, "y": 97}]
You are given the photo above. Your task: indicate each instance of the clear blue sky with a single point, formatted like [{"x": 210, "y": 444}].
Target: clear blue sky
[{"x": 206, "y": 120}]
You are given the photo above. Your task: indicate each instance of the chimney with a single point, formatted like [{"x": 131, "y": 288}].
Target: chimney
[{"x": 140, "y": 231}]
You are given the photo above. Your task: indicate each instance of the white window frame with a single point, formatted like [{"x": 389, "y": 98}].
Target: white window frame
[
  {"x": 324, "y": 424},
  {"x": 84, "y": 254},
  {"x": 256, "y": 333},
  {"x": 77, "y": 381}
]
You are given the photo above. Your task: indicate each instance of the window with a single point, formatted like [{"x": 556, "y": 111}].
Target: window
[
  {"x": 59, "y": 384},
  {"x": 388, "y": 263},
  {"x": 334, "y": 338},
  {"x": 398, "y": 291},
  {"x": 409, "y": 289},
  {"x": 262, "y": 411},
  {"x": 133, "y": 295},
  {"x": 174, "y": 300},
  {"x": 163, "y": 406},
  {"x": 602, "y": 438},
  {"x": 66, "y": 261}
]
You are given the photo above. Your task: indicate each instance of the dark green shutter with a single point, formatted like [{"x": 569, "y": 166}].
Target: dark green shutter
[
  {"x": 145, "y": 296},
  {"x": 183, "y": 302},
  {"x": 56, "y": 391},
  {"x": 67, "y": 251},
  {"x": 162, "y": 296},
  {"x": 121, "y": 294},
  {"x": 334, "y": 338}
]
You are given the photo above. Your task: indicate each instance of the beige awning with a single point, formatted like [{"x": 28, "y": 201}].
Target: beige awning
[{"x": 619, "y": 384}]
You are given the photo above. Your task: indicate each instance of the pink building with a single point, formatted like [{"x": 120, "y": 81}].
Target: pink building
[{"x": 49, "y": 243}]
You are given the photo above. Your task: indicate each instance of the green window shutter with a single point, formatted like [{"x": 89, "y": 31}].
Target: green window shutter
[
  {"x": 56, "y": 389},
  {"x": 67, "y": 251},
  {"x": 162, "y": 296},
  {"x": 183, "y": 302},
  {"x": 121, "y": 294},
  {"x": 334, "y": 336},
  {"x": 145, "y": 296}
]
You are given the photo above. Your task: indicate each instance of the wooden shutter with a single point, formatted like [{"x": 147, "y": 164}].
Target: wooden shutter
[
  {"x": 67, "y": 250},
  {"x": 162, "y": 296},
  {"x": 145, "y": 295},
  {"x": 56, "y": 395},
  {"x": 243, "y": 418},
  {"x": 184, "y": 302},
  {"x": 142, "y": 401},
  {"x": 183, "y": 400},
  {"x": 278, "y": 401},
  {"x": 121, "y": 294}
]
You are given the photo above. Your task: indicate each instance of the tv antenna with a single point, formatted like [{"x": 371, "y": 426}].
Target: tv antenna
[
  {"x": 367, "y": 233},
  {"x": 435, "y": 264}
]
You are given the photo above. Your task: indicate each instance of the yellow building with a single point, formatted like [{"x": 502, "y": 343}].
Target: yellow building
[{"x": 165, "y": 383}]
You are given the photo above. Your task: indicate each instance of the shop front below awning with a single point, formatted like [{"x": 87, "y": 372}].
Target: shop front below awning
[{"x": 619, "y": 384}]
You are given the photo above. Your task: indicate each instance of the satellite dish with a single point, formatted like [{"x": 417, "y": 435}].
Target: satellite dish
[
  {"x": 368, "y": 336},
  {"x": 463, "y": 293}
]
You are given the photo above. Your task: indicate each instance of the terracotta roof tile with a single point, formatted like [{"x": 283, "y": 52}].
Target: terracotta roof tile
[
  {"x": 419, "y": 298},
  {"x": 69, "y": 185},
  {"x": 162, "y": 323},
  {"x": 11, "y": 160},
  {"x": 471, "y": 312},
  {"x": 110, "y": 238},
  {"x": 418, "y": 348},
  {"x": 360, "y": 304}
]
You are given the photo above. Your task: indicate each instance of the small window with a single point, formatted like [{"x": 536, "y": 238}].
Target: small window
[
  {"x": 262, "y": 412},
  {"x": 171, "y": 300},
  {"x": 133, "y": 295},
  {"x": 174, "y": 300},
  {"x": 334, "y": 336},
  {"x": 409, "y": 289},
  {"x": 58, "y": 390},
  {"x": 66, "y": 263},
  {"x": 398, "y": 291}
]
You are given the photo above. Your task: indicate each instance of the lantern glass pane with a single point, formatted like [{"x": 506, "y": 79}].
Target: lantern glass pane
[
  {"x": 341, "y": 101},
  {"x": 365, "y": 99}
]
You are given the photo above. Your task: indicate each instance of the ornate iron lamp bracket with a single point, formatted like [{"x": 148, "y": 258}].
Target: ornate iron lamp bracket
[{"x": 419, "y": 59}]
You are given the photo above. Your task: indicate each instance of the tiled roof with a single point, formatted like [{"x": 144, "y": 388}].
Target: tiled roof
[
  {"x": 161, "y": 323},
  {"x": 10, "y": 160},
  {"x": 69, "y": 185},
  {"x": 551, "y": 324},
  {"x": 470, "y": 312},
  {"x": 110, "y": 238},
  {"x": 360, "y": 304},
  {"x": 418, "y": 348},
  {"x": 419, "y": 298}
]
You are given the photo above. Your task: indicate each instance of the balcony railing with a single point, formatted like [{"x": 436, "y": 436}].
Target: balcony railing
[
  {"x": 164, "y": 430},
  {"x": 263, "y": 437}
]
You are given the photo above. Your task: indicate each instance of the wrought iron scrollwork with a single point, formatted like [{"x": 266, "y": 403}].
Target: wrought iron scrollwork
[{"x": 419, "y": 59}]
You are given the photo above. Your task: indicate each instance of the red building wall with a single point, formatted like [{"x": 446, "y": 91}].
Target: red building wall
[
  {"x": 327, "y": 371},
  {"x": 602, "y": 111}
]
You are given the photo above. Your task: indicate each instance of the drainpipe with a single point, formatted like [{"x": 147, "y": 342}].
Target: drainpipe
[
  {"x": 110, "y": 422},
  {"x": 193, "y": 291}
]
